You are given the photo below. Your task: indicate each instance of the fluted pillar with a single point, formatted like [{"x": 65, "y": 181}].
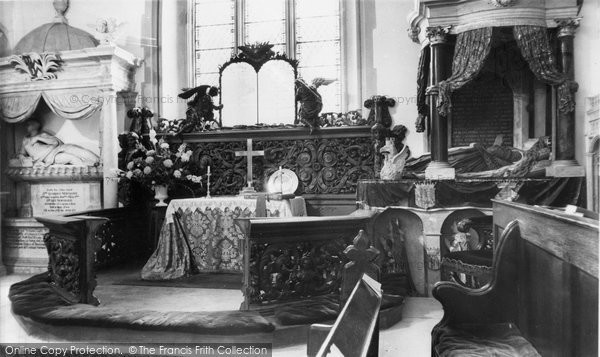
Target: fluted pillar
[
  {"x": 564, "y": 164},
  {"x": 438, "y": 168}
]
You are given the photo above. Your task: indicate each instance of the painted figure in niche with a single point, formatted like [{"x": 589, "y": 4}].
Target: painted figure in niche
[
  {"x": 310, "y": 100},
  {"x": 461, "y": 238},
  {"x": 395, "y": 154},
  {"x": 39, "y": 147},
  {"x": 200, "y": 112}
]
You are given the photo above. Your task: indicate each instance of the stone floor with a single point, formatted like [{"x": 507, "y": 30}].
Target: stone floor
[{"x": 410, "y": 337}]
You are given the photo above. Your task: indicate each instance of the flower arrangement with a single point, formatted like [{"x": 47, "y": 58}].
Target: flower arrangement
[{"x": 161, "y": 166}]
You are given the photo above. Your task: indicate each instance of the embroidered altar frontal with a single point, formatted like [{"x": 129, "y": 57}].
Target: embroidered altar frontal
[{"x": 207, "y": 228}]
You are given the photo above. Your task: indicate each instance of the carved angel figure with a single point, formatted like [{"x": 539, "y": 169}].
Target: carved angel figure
[
  {"x": 200, "y": 115},
  {"x": 310, "y": 100}
]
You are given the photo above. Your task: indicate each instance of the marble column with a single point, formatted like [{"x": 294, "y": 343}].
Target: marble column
[
  {"x": 438, "y": 169},
  {"x": 564, "y": 164},
  {"x": 109, "y": 149}
]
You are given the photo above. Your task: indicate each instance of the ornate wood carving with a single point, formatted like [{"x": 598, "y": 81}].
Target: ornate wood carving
[
  {"x": 362, "y": 258},
  {"x": 71, "y": 244},
  {"x": 323, "y": 165},
  {"x": 294, "y": 270},
  {"x": 63, "y": 263}
]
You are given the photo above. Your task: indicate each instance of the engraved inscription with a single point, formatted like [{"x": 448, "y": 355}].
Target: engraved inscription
[
  {"x": 51, "y": 199},
  {"x": 481, "y": 111},
  {"x": 25, "y": 238}
]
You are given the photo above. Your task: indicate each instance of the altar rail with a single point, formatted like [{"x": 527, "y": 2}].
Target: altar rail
[
  {"x": 329, "y": 162},
  {"x": 299, "y": 257},
  {"x": 79, "y": 243}
]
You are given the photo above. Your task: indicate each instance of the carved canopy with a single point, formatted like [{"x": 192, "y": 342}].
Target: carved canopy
[{"x": 15, "y": 108}]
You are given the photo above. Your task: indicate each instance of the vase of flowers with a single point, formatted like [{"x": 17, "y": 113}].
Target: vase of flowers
[{"x": 158, "y": 169}]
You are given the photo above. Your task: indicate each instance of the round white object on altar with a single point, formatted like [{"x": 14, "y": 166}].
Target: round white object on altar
[{"x": 282, "y": 181}]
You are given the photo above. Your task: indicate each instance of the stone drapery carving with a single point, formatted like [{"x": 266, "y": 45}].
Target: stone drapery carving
[
  {"x": 471, "y": 50},
  {"x": 535, "y": 48}
]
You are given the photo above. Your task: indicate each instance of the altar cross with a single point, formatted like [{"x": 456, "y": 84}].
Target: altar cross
[{"x": 249, "y": 153}]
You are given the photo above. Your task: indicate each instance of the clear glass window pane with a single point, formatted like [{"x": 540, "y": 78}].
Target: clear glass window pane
[
  {"x": 211, "y": 79},
  {"x": 214, "y": 12},
  {"x": 318, "y": 29},
  {"x": 209, "y": 61},
  {"x": 211, "y": 37},
  {"x": 314, "y": 8},
  {"x": 319, "y": 53},
  {"x": 264, "y": 10},
  {"x": 271, "y": 31}
]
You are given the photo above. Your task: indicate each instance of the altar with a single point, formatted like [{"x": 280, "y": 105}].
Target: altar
[{"x": 206, "y": 237}]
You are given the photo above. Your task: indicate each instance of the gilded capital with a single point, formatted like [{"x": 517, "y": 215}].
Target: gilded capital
[
  {"x": 437, "y": 34},
  {"x": 567, "y": 27}
]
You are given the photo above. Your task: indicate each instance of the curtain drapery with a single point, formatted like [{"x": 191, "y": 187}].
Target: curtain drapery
[
  {"x": 422, "y": 76},
  {"x": 471, "y": 50},
  {"x": 535, "y": 48},
  {"x": 15, "y": 109},
  {"x": 82, "y": 104}
]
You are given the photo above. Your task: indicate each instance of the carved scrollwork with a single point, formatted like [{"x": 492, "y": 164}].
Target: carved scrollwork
[
  {"x": 286, "y": 271},
  {"x": 63, "y": 263},
  {"x": 323, "y": 165}
]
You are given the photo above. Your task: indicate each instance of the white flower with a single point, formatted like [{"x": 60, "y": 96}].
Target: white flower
[
  {"x": 149, "y": 160},
  {"x": 137, "y": 172},
  {"x": 168, "y": 163},
  {"x": 130, "y": 165},
  {"x": 153, "y": 141},
  {"x": 189, "y": 177},
  {"x": 164, "y": 145},
  {"x": 185, "y": 158},
  {"x": 147, "y": 170},
  {"x": 177, "y": 173},
  {"x": 152, "y": 134},
  {"x": 150, "y": 152},
  {"x": 129, "y": 174}
]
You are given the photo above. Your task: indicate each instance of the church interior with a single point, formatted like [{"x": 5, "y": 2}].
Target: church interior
[{"x": 300, "y": 177}]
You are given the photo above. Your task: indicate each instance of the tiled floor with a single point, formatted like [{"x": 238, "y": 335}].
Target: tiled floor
[{"x": 409, "y": 337}]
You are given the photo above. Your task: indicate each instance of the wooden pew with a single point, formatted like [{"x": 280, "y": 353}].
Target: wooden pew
[
  {"x": 543, "y": 294},
  {"x": 355, "y": 331}
]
